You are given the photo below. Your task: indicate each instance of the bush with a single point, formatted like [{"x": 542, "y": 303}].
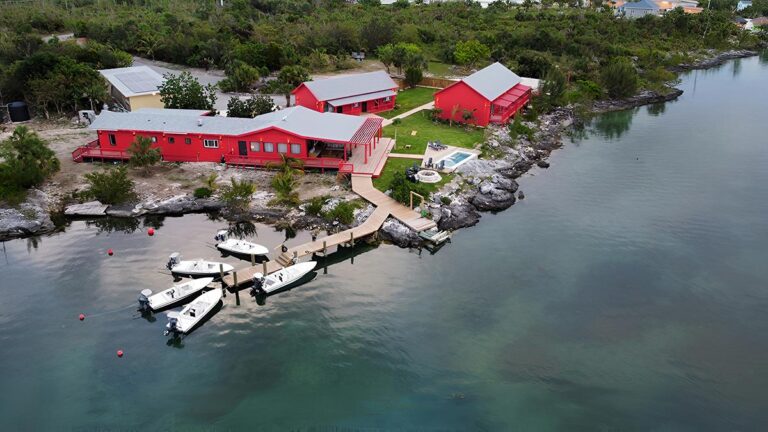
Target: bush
[
  {"x": 202, "y": 192},
  {"x": 26, "y": 162},
  {"x": 344, "y": 212},
  {"x": 413, "y": 76},
  {"x": 397, "y": 121},
  {"x": 284, "y": 184},
  {"x": 315, "y": 205},
  {"x": 401, "y": 188},
  {"x": 237, "y": 195},
  {"x": 143, "y": 155},
  {"x": 109, "y": 187},
  {"x": 445, "y": 200},
  {"x": 620, "y": 78}
]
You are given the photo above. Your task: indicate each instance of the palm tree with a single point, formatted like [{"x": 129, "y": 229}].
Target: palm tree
[{"x": 287, "y": 164}]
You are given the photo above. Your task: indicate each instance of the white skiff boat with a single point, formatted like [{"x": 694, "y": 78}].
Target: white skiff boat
[
  {"x": 193, "y": 313},
  {"x": 196, "y": 268},
  {"x": 282, "y": 277},
  {"x": 241, "y": 247},
  {"x": 173, "y": 294}
]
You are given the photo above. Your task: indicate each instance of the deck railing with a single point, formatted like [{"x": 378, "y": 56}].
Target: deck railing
[{"x": 321, "y": 162}]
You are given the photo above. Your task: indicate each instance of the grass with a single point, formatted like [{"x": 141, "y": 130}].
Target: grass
[
  {"x": 394, "y": 165},
  {"x": 427, "y": 130},
  {"x": 439, "y": 69},
  {"x": 409, "y": 99}
]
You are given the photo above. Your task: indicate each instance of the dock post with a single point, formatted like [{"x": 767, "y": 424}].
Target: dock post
[
  {"x": 325, "y": 249},
  {"x": 295, "y": 256},
  {"x": 221, "y": 275},
  {"x": 253, "y": 260},
  {"x": 237, "y": 297},
  {"x": 351, "y": 238},
  {"x": 264, "y": 268},
  {"x": 234, "y": 277}
]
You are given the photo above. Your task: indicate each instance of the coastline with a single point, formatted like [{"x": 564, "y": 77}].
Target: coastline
[{"x": 483, "y": 185}]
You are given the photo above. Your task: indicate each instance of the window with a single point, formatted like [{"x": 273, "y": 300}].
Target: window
[
  {"x": 211, "y": 143},
  {"x": 255, "y": 146},
  {"x": 356, "y": 104},
  {"x": 282, "y": 148},
  {"x": 187, "y": 141},
  {"x": 388, "y": 98},
  {"x": 295, "y": 148},
  {"x": 171, "y": 140},
  {"x": 269, "y": 147},
  {"x": 154, "y": 139},
  {"x": 112, "y": 140}
]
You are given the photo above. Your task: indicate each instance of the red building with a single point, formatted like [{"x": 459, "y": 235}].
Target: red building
[
  {"x": 320, "y": 140},
  {"x": 492, "y": 95},
  {"x": 349, "y": 94}
]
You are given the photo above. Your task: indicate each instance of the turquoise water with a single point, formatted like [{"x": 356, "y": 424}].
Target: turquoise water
[
  {"x": 626, "y": 292},
  {"x": 455, "y": 158}
]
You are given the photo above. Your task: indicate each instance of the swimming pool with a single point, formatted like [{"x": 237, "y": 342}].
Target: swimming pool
[{"x": 453, "y": 160}]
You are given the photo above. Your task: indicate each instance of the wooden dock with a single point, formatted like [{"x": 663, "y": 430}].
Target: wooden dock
[{"x": 363, "y": 186}]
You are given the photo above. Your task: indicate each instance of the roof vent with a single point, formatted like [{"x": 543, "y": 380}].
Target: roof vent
[
  {"x": 199, "y": 122},
  {"x": 285, "y": 118}
]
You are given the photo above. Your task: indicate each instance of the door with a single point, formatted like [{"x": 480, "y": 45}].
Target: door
[
  {"x": 242, "y": 148},
  {"x": 340, "y": 109},
  {"x": 365, "y": 106}
]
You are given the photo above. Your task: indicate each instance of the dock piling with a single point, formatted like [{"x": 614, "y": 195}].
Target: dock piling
[{"x": 253, "y": 260}]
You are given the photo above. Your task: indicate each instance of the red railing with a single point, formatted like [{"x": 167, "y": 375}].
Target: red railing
[
  {"x": 322, "y": 163},
  {"x": 93, "y": 151}
]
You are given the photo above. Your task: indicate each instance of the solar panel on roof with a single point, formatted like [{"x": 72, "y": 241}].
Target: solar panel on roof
[{"x": 139, "y": 82}]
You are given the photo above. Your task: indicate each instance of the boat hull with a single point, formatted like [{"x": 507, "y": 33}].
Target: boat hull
[
  {"x": 197, "y": 269},
  {"x": 290, "y": 275},
  {"x": 241, "y": 248},
  {"x": 177, "y": 293},
  {"x": 195, "y": 312}
]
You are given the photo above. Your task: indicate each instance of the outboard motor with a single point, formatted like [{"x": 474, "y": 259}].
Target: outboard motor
[
  {"x": 144, "y": 300},
  {"x": 258, "y": 283},
  {"x": 220, "y": 236},
  {"x": 173, "y": 260},
  {"x": 172, "y": 326}
]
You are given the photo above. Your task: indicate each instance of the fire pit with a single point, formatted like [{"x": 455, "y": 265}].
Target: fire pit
[{"x": 428, "y": 176}]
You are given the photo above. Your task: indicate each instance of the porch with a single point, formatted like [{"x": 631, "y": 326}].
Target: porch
[{"x": 506, "y": 105}]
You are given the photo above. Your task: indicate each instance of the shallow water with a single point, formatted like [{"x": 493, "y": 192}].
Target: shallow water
[{"x": 626, "y": 292}]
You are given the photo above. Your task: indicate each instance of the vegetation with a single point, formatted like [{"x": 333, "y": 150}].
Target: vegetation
[
  {"x": 409, "y": 99},
  {"x": 344, "y": 212},
  {"x": 284, "y": 183},
  {"x": 396, "y": 165},
  {"x": 112, "y": 186},
  {"x": 25, "y": 161},
  {"x": 471, "y": 53},
  {"x": 428, "y": 130},
  {"x": 401, "y": 189},
  {"x": 241, "y": 77},
  {"x": 288, "y": 79},
  {"x": 183, "y": 91},
  {"x": 237, "y": 195},
  {"x": 620, "y": 78},
  {"x": 202, "y": 192},
  {"x": 315, "y": 205},
  {"x": 143, "y": 156},
  {"x": 251, "y": 107}
]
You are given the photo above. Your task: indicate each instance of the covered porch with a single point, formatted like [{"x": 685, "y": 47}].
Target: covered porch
[{"x": 509, "y": 103}]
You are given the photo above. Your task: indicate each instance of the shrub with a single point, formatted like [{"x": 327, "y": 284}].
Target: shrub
[
  {"x": 237, "y": 195},
  {"x": 413, "y": 76},
  {"x": 109, "y": 187},
  {"x": 620, "y": 78},
  {"x": 284, "y": 184},
  {"x": 397, "y": 121},
  {"x": 249, "y": 108},
  {"x": 26, "y": 162},
  {"x": 315, "y": 205},
  {"x": 445, "y": 200},
  {"x": 344, "y": 212},
  {"x": 202, "y": 192},
  {"x": 143, "y": 156},
  {"x": 401, "y": 188}
]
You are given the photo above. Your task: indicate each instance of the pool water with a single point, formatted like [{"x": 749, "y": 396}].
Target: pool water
[{"x": 455, "y": 159}]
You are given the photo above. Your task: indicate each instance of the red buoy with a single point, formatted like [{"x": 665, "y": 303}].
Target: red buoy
[
  {"x": 110, "y": 252},
  {"x": 119, "y": 353},
  {"x": 82, "y": 317},
  {"x": 151, "y": 232}
]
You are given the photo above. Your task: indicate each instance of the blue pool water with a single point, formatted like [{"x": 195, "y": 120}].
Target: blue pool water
[{"x": 455, "y": 159}]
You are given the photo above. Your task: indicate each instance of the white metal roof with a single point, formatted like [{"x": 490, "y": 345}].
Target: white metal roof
[
  {"x": 296, "y": 120},
  {"x": 361, "y": 98},
  {"x": 134, "y": 80},
  {"x": 350, "y": 85},
  {"x": 492, "y": 81}
]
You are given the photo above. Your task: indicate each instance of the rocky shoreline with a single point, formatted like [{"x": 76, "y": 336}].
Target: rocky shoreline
[{"x": 482, "y": 185}]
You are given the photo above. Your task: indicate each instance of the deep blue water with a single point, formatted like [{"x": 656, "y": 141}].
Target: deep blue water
[{"x": 628, "y": 291}]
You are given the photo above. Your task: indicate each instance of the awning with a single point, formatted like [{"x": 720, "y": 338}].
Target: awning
[
  {"x": 512, "y": 95},
  {"x": 367, "y": 131},
  {"x": 361, "y": 98}
]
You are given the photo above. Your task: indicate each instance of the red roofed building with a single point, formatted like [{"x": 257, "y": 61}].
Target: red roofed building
[
  {"x": 349, "y": 94},
  {"x": 493, "y": 95}
]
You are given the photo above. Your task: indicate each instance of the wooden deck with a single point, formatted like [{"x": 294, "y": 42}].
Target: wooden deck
[
  {"x": 363, "y": 186},
  {"x": 376, "y": 160}
]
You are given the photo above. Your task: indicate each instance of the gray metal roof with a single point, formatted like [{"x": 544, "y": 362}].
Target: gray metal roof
[
  {"x": 296, "y": 120},
  {"x": 350, "y": 85},
  {"x": 134, "y": 80},
  {"x": 360, "y": 98},
  {"x": 492, "y": 81},
  {"x": 641, "y": 4}
]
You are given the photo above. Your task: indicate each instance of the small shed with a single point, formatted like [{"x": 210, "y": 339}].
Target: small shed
[
  {"x": 134, "y": 87},
  {"x": 353, "y": 94}
]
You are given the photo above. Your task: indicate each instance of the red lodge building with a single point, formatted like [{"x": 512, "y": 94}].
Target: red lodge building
[
  {"x": 493, "y": 95},
  {"x": 349, "y": 94},
  {"x": 320, "y": 140}
]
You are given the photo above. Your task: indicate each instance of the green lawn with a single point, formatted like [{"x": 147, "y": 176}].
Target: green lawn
[
  {"x": 439, "y": 69},
  {"x": 394, "y": 165},
  {"x": 427, "y": 130},
  {"x": 409, "y": 99}
]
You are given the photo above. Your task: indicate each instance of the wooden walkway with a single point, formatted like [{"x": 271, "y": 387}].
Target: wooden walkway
[{"x": 363, "y": 186}]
